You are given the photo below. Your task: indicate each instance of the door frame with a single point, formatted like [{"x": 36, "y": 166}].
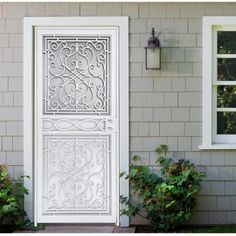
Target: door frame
[{"x": 29, "y": 24}]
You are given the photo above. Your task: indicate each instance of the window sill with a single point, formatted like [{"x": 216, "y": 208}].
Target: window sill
[{"x": 218, "y": 146}]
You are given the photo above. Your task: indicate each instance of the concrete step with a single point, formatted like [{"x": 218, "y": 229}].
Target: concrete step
[{"x": 75, "y": 228}]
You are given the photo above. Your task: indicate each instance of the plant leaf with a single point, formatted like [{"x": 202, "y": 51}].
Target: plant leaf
[
  {"x": 136, "y": 158},
  {"x": 122, "y": 174}
]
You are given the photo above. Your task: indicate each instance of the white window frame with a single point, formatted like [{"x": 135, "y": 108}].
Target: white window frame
[
  {"x": 29, "y": 24},
  {"x": 210, "y": 140}
]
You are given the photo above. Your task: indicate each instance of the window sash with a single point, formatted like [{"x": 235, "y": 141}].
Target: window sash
[
  {"x": 220, "y": 138},
  {"x": 210, "y": 140}
]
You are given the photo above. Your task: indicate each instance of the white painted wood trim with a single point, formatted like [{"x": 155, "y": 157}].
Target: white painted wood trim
[
  {"x": 207, "y": 75},
  {"x": 124, "y": 112},
  {"x": 28, "y": 117},
  {"x": 29, "y": 24},
  {"x": 76, "y": 21},
  {"x": 218, "y": 147}
]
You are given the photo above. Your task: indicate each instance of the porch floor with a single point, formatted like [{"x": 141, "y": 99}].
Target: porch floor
[{"x": 65, "y": 228}]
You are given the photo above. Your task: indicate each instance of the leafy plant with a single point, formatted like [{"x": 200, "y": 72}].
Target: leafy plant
[
  {"x": 168, "y": 199},
  {"x": 12, "y": 194}
]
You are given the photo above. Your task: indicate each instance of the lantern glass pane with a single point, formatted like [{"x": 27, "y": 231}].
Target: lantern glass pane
[{"x": 153, "y": 58}]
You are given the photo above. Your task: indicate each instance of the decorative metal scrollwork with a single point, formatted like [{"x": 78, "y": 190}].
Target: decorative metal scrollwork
[
  {"x": 76, "y": 74},
  {"x": 77, "y": 176},
  {"x": 65, "y": 125}
]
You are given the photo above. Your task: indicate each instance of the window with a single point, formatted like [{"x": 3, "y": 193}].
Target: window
[{"x": 219, "y": 83}]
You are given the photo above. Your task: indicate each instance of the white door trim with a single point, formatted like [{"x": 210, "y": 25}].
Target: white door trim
[{"x": 29, "y": 24}]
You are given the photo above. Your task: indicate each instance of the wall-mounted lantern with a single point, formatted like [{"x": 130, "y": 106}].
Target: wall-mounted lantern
[{"x": 153, "y": 52}]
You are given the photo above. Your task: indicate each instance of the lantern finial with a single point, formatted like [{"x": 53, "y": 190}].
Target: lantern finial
[{"x": 153, "y": 32}]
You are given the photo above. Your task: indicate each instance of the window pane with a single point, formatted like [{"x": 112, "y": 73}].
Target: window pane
[
  {"x": 226, "y": 123},
  {"x": 226, "y": 42},
  {"x": 226, "y": 96},
  {"x": 226, "y": 69}
]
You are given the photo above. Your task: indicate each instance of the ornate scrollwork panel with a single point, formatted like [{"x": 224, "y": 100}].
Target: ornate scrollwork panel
[
  {"x": 76, "y": 174},
  {"x": 76, "y": 74},
  {"x": 65, "y": 125}
]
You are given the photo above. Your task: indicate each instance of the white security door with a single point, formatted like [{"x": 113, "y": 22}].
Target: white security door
[{"x": 76, "y": 124}]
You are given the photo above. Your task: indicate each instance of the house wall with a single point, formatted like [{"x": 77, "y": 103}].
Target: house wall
[{"x": 165, "y": 105}]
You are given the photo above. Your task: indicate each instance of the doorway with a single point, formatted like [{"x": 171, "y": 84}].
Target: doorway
[{"x": 76, "y": 118}]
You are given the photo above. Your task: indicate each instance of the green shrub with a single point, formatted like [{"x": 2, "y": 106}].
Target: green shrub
[
  {"x": 12, "y": 194},
  {"x": 168, "y": 199}
]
